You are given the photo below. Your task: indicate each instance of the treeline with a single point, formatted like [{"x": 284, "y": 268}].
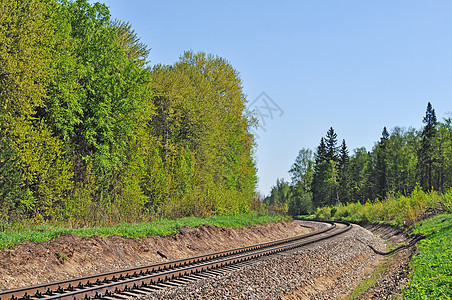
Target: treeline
[
  {"x": 90, "y": 134},
  {"x": 399, "y": 162}
]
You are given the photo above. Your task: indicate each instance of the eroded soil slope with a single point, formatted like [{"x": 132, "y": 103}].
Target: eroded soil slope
[{"x": 71, "y": 256}]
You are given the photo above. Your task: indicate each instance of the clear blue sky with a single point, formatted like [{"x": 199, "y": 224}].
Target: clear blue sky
[{"x": 354, "y": 65}]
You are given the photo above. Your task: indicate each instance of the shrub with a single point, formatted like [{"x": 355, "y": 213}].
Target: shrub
[
  {"x": 447, "y": 201},
  {"x": 397, "y": 209}
]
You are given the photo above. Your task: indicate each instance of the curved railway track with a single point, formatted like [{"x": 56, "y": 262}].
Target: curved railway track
[{"x": 135, "y": 281}]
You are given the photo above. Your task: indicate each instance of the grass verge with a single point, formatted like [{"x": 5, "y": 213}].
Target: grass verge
[
  {"x": 44, "y": 232},
  {"x": 431, "y": 276}
]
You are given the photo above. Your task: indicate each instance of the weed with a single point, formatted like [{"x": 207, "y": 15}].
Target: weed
[{"x": 61, "y": 256}]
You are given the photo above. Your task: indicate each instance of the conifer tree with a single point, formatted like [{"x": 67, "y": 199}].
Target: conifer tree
[
  {"x": 381, "y": 165},
  {"x": 426, "y": 152},
  {"x": 322, "y": 168},
  {"x": 331, "y": 148},
  {"x": 343, "y": 165},
  {"x": 320, "y": 154}
]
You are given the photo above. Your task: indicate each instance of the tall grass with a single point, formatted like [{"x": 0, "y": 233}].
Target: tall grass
[
  {"x": 41, "y": 232},
  {"x": 397, "y": 210}
]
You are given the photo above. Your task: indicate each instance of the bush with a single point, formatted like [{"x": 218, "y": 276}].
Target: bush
[
  {"x": 398, "y": 209},
  {"x": 447, "y": 201}
]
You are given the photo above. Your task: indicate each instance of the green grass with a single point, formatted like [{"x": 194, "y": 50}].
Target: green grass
[
  {"x": 44, "y": 232},
  {"x": 431, "y": 276}
]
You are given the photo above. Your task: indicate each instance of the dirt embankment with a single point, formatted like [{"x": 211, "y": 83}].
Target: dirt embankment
[{"x": 71, "y": 256}]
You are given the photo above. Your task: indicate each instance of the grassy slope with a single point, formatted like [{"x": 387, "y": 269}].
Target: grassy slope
[
  {"x": 45, "y": 232},
  {"x": 431, "y": 276},
  {"x": 432, "y": 267}
]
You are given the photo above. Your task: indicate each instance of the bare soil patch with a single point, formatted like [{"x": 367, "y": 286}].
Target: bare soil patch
[{"x": 70, "y": 256}]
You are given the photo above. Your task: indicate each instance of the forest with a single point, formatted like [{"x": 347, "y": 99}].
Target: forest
[
  {"x": 91, "y": 134},
  {"x": 399, "y": 163}
]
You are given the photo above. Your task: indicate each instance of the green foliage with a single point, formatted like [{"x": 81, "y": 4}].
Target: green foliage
[
  {"x": 398, "y": 209},
  {"x": 41, "y": 174},
  {"x": 401, "y": 161},
  {"x": 91, "y": 135},
  {"x": 331, "y": 147},
  {"x": 344, "y": 174},
  {"x": 203, "y": 155},
  {"x": 431, "y": 276},
  {"x": 302, "y": 169},
  {"x": 361, "y": 175},
  {"x": 130, "y": 43},
  {"x": 330, "y": 182},
  {"x": 37, "y": 231},
  {"x": 427, "y": 153},
  {"x": 300, "y": 201},
  {"x": 25, "y": 40},
  {"x": 397, "y": 165},
  {"x": 447, "y": 201},
  {"x": 326, "y": 183},
  {"x": 12, "y": 192},
  {"x": 61, "y": 256},
  {"x": 279, "y": 196},
  {"x": 381, "y": 165}
]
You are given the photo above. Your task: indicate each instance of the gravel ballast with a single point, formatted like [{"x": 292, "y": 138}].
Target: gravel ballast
[{"x": 326, "y": 270}]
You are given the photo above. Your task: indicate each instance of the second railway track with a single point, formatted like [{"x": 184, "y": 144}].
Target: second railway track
[{"x": 136, "y": 281}]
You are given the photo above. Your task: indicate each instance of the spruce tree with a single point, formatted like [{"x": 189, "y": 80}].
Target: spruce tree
[
  {"x": 430, "y": 122},
  {"x": 384, "y": 134},
  {"x": 381, "y": 165},
  {"x": 320, "y": 155},
  {"x": 426, "y": 151},
  {"x": 324, "y": 171},
  {"x": 343, "y": 165},
  {"x": 331, "y": 149}
]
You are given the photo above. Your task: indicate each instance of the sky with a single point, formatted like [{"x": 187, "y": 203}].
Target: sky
[{"x": 306, "y": 66}]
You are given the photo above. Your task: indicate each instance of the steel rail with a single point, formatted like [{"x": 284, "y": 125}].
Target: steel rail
[{"x": 106, "y": 284}]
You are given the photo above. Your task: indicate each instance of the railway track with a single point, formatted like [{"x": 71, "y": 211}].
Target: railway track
[{"x": 141, "y": 280}]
